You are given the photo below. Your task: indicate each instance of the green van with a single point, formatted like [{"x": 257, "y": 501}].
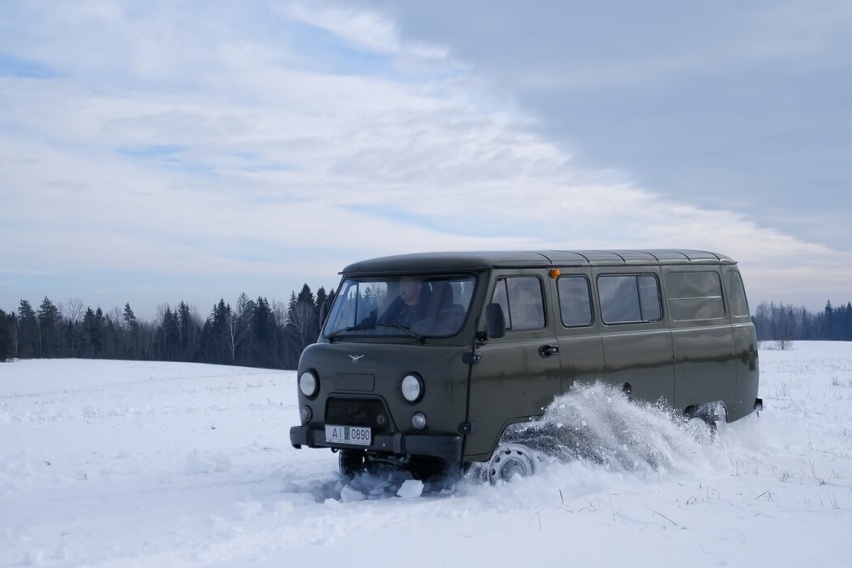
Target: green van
[{"x": 426, "y": 361}]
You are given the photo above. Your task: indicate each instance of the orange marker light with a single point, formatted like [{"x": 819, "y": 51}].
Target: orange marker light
[{"x": 554, "y": 272}]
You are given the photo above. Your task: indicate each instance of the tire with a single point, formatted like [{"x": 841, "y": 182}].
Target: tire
[
  {"x": 509, "y": 461},
  {"x": 351, "y": 462}
]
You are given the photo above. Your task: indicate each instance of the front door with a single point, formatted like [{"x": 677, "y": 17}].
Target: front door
[{"x": 517, "y": 376}]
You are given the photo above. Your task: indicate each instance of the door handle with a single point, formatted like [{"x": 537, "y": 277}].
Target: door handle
[{"x": 548, "y": 350}]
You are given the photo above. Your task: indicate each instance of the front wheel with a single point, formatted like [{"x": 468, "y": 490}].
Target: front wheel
[
  {"x": 351, "y": 462},
  {"x": 510, "y": 460}
]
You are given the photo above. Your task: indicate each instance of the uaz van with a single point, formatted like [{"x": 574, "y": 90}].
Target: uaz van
[{"x": 427, "y": 361}]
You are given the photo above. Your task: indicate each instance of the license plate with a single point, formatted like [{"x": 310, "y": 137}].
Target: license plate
[{"x": 357, "y": 435}]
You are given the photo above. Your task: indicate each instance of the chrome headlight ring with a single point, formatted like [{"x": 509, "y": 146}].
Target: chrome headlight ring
[
  {"x": 412, "y": 388},
  {"x": 309, "y": 384}
]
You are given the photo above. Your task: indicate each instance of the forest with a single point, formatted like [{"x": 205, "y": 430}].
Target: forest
[
  {"x": 780, "y": 322},
  {"x": 257, "y": 333},
  {"x": 252, "y": 333}
]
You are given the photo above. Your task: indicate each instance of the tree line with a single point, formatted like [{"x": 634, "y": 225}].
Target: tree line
[
  {"x": 257, "y": 333},
  {"x": 780, "y": 322},
  {"x": 253, "y": 333}
]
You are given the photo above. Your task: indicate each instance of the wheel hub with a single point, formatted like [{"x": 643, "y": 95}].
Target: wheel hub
[{"x": 510, "y": 460}]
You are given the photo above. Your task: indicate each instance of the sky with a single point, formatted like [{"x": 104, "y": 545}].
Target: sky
[{"x": 157, "y": 152}]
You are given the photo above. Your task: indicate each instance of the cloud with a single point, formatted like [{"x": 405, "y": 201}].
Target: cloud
[
  {"x": 289, "y": 140},
  {"x": 363, "y": 30}
]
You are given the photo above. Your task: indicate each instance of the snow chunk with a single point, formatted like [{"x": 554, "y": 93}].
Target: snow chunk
[
  {"x": 331, "y": 503},
  {"x": 350, "y": 495},
  {"x": 410, "y": 489}
]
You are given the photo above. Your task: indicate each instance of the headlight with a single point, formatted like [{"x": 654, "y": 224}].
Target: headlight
[
  {"x": 412, "y": 388},
  {"x": 308, "y": 384}
]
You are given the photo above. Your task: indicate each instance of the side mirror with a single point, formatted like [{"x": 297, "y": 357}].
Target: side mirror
[
  {"x": 323, "y": 313},
  {"x": 495, "y": 323}
]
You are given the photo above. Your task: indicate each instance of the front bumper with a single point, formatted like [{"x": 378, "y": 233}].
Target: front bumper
[{"x": 445, "y": 446}]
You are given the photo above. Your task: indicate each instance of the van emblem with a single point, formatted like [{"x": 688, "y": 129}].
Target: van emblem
[{"x": 355, "y": 358}]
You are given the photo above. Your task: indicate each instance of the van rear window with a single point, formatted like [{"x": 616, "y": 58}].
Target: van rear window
[
  {"x": 695, "y": 295},
  {"x": 629, "y": 298},
  {"x": 736, "y": 293}
]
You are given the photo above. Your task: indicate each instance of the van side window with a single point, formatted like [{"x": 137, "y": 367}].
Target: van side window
[
  {"x": 575, "y": 303},
  {"x": 695, "y": 295},
  {"x": 629, "y": 298},
  {"x": 522, "y": 302},
  {"x": 736, "y": 293}
]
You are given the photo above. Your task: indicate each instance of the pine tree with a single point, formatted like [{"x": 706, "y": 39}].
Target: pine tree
[
  {"x": 221, "y": 334},
  {"x": 29, "y": 341},
  {"x": 50, "y": 322},
  {"x": 93, "y": 333},
  {"x": 262, "y": 331},
  {"x": 188, "y": 331},
  {"x": 133, "y": 343},
  {"x": 7, "y": 336},
  {"x": 170, "y": 333}
]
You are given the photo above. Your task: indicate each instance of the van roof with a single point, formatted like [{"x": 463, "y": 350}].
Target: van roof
[{"x": 434, "y": 261}]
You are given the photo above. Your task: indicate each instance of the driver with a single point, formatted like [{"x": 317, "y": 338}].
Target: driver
[{"x": 411, "y": 304}]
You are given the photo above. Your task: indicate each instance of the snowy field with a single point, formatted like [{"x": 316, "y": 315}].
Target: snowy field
[{"x": 106, "y": 463}]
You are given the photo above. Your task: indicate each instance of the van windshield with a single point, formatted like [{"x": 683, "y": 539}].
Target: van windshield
[{"x": 405, "y": 305}]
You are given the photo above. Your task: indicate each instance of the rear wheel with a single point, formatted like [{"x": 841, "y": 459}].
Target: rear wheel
[{"x": 711, "y": 413}]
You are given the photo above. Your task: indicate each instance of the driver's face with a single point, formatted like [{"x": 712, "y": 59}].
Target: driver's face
[{"x": 409, "y": 290}]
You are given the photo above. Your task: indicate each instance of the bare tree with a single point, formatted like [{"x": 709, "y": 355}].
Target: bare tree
[
  {"x": 233, "y": 325},
  {"x": 301, "y": 327},
  {"x": 73, "y": 310}
]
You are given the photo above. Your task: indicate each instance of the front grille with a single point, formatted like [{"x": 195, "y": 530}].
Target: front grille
[{"x": 359, "y": 412}]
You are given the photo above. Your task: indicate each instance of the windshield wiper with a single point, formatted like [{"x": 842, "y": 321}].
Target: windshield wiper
[
  {"x": 335, "y": 334},
  {"x": 407, "y": 330},
  {"x": 340, "y": 332}
]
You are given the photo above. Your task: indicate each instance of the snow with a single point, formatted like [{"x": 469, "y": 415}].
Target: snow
[{"x": 115, "y": 463}]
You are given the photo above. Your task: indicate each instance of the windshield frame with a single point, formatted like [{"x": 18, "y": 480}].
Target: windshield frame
[{"x": 401, "y": 305}]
